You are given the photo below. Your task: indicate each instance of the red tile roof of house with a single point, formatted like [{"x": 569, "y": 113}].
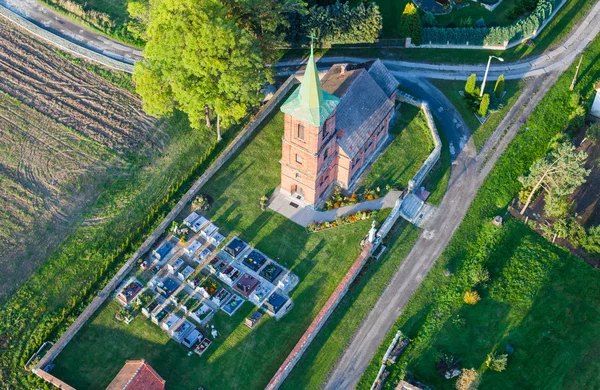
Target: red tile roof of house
[{"x": 137, "y": 375}]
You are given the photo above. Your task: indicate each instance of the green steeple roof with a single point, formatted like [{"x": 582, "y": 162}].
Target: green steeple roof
[{"x": 309, "y": 103}]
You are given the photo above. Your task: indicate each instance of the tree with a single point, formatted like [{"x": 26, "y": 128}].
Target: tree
[
  {"x": 429, "y": 19},
  {"x": 591, "y": 242},
  {"x": 471, "y": 298},
  {"x": 560, "y": 173},
  {"x": 410, "y": 24},
  {"x": 556, "y": 206},
  {"x": 139, "y": 16},
  {"x": 199, "y": 61},
  {"x": 483, "y": 105},
  {"x": 468, "y": 380},
  {"x": 593, "y": 133},
  {"x": 496, "y": 362},
  {"x": 470, "y": 84},
  {"x": 499, "y": 87}
]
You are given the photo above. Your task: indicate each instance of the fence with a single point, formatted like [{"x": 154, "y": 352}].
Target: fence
[{"x": 239, "y": 140}]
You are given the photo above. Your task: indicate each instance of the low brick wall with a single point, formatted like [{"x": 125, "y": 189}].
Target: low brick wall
[
  {"x": 245, "y": 133},
  {"x": 53, "y": 380},
  {"x": 316, "y": 325},
  {"x": 120, "y": 64}
]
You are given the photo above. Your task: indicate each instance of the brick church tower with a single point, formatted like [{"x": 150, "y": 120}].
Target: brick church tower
[{"x": 309, "y": 151}]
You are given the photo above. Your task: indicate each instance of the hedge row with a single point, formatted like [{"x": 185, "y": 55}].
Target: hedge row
[{"x": 493, "y": 35}]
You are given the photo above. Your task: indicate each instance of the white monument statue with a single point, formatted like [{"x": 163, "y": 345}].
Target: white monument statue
[
  {"x": 372, "y": 232},
  {"x": 596, "y": 106}
]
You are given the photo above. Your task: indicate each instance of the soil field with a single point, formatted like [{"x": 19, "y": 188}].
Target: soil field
[
  {"x": 71, "y": 95},
  {"x": 65, "y": 133}
]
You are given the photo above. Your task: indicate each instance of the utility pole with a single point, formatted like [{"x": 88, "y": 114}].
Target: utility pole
[
  {"x": 576, "y": 73},
  {"x": 486, "y": 73}
]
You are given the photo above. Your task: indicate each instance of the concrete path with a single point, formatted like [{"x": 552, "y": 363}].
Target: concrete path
[
  {"x": 468, "y": 174},
  {"x": 303, "y": 215},
  {"x": 67, "y": 29}
]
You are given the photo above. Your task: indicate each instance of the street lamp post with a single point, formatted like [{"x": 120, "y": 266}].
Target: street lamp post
[{"x": 486, "y": 72}]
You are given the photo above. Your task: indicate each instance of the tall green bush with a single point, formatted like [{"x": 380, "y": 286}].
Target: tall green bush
[
  {"x": 499, "y": 87},
  {"x": 470, "y": 84},
  {"x": 484, "y": 105},
  {"x": 410, "y": 25}
]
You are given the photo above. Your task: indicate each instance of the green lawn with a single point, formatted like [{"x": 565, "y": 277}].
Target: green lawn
[
  {"x": 534, "y": 302},
  {"x": 481, "y": 132},
  {"x": 402, "y": 159},
  {"x": 540, "y": 299},
  {"x": 498, "y": 17},
  {"x": 319, "y": 259}
]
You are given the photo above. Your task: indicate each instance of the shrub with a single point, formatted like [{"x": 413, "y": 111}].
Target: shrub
[
  {"x": 471, "y": 297},
  {"x": 410, "y": 25},
  {"x": 591, "y": 243},
  {"x": 496, "y": 362},
  {"x": 484, "y": 105},
  {"x": 556, "y": 206},
  {"x": 263, "y": 202},
  {"x": 468, "y": 380},
  {"x": 499, "y": 87},
  {"x": 429, "y": 20},
  {"x": 470, "y": 84}
]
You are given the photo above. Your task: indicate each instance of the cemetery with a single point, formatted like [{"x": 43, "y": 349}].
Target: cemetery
[{"x": 189, "y": 279}]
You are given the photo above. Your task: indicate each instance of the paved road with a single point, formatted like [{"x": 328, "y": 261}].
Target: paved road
[
  {"x": 468, "y": 172},
  {"x": 65, "y": 28},
  {"x": 552, "y": 60}
]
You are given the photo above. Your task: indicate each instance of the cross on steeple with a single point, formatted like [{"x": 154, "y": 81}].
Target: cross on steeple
[{"x": 312, "y": 42}]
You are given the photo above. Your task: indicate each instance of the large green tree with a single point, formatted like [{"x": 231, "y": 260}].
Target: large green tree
[
  {"x": 197, "y": 59},
  {"x": 410, "y": 24},
  {"x": 559, "y": 174}
]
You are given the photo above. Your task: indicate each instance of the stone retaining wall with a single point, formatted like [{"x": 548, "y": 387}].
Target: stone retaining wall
[
  {"x": 120, "y": 64},
  {"x": 434, "y": 156},
  {"x": 233, "y": 147}
]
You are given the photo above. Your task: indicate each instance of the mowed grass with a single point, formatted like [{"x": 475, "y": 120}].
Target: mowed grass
[
  {"x": 409, "y": 148},
  {"x": 553, "y": 307},
  {"x": 481, "y": 132},
  {"x": 540, "y": 299},
  {"x": 240, "y": 357}
]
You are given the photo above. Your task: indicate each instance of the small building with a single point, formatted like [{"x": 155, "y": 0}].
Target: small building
[
  {"x": 254, "y": 260},
  {"x": 203, "y": 255},
  {"x": 191, "y": 338},
  {"x": 185, "y": 273},
  {"x": 230, "y": 275},
  {"x": 202, "y": 345},
  {"x": 190, "y": 305},
  {"x": 402, "y": 385},
  {"x": 199, "y": 224},
  {"x": 159, "y": 316},
  {"x": 163, "y": 251},
  {"x": 221, "y": 297},
  {"x": 190, "y": 219},
  {"x": 181, "y": 297},
  {"x": 192, "y": 248},
  {"x": 235, "y": 248},
  {"x": 202, "y": 314},
  {"x": 246, "y": 285},
  {"x": 208, "y": 231},
  {"x": 137, "y": 375},
  {"x": 233, "y": 304},
  {"x": 174, "y": 266},
  {"x": 277, "y": 305},
  {"x": 260, "y": 294},
  {"x": 253, "y": 320},
  {"x": 130, "y": 291}
]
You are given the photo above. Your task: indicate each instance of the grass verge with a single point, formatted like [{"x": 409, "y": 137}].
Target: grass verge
[{"x": 546, "y": 274}]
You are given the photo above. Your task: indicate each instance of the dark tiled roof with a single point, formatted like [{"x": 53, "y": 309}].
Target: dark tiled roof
[
  {"x": 382, "y": 77},
  {"x": 363, "y": 106}
]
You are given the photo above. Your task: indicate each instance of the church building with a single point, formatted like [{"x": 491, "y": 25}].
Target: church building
[{"x": 334, "y": 127}]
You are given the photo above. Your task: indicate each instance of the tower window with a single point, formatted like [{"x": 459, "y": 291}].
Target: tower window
[
  {"x": 300, "y": 131},
  {"x": 299, "y": 159}
]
